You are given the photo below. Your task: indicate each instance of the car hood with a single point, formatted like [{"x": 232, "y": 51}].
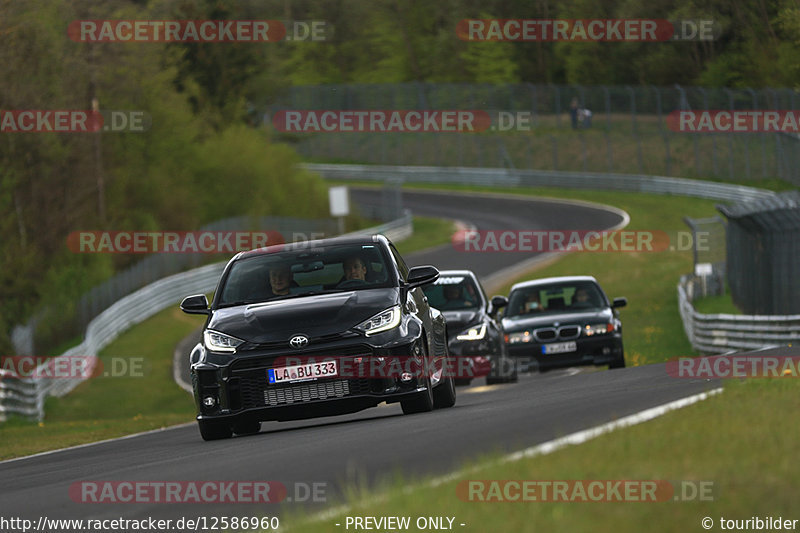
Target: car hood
[
  {"x": 548, "y": 319},
  {"x": 314, "y": 316},
  {"x": 457, "y": 321}
]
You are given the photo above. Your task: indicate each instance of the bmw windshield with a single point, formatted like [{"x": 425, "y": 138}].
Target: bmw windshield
[{"x": 555, "y": 298}]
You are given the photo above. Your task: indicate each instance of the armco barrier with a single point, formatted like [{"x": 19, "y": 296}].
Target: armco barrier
[
  {"x": 721, "y": 333},
  {"x": 503, "y": 177},
  {"x": 25, "y": 396}
]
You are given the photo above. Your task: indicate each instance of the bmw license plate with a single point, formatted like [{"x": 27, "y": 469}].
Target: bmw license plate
[
  {"x": 559, "y": 347},
  {"x": 289, "y": 374}
]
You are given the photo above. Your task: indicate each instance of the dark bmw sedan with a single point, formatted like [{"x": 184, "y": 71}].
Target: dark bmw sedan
[
  {"x": 475, "y": 336},
  {"x": 313, "y": 329},
  {"x": 563, "y": 321}
]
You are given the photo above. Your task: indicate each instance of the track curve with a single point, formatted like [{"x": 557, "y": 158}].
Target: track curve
[{"x": 366, "y": 446}]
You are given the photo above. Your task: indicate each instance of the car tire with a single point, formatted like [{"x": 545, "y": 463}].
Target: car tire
[
  {"x": 213, "y": 430},
  {"x": 513, "y": 378},
  {"x": 620, "y": 361},
  {"x": 445, "y": 394},
  {"x": 422, "y": 402},
  {"x": 247, "y": 428}
]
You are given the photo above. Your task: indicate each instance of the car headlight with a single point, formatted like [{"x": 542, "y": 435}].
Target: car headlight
[
  {"x": 383, "y": 321},
  {"x": 522, "y": 336},
  {"x": 219, "y": 342},
  {"x": 475, "y": 333},
  {"x": 598, "y": 329}
]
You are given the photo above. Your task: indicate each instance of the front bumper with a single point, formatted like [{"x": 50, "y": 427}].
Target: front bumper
[
  {"x": 601, "y": 350},
  {"x": 237, "y": 389}
]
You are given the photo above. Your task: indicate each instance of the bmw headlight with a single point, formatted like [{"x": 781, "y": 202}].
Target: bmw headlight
[
  {"x": 475, "y": 333},
  {"x": 516, "y": 338},
  {"x": 383, "y": 321},
  {"x": 219, "y": 342},
  {"x": 598, "y": 329}
]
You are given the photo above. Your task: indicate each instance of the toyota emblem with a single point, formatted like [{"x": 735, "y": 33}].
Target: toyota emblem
[{"x": 298, "y": 341}]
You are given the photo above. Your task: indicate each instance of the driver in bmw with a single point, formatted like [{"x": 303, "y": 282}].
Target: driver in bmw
[{"x": 354, "y": 268}]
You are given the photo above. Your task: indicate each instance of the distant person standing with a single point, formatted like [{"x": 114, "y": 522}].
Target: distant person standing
[
  {"x": 573, "y": 113},
  {"x": 585, "y": 118}
]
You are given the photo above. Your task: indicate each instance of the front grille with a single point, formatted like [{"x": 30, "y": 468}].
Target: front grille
[
  {"x": 305, "y": 392},
  {"x": 569, "y": 332},
  {"x": 255, "y": 391},
  {"x": 545, "y": 334},
  {"x": 563, "y": 333}
]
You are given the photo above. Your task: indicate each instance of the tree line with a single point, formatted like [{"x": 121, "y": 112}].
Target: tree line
[{"x": 202, "y": 159}]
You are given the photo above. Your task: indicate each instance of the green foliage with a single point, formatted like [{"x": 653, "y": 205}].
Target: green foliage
[{"x": 197, "y": 163}]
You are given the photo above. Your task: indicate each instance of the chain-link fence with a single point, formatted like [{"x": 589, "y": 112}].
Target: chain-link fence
[
  {"x": 708, "y": 254},
  {"x": 764, "y": 254},
  {"x": 625, "y": 130}
]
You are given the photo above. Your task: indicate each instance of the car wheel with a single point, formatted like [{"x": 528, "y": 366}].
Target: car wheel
[
  {"x": 514, "y": 377},
  {"x": 620, "y": 361},
  {"x": 423, "y": 401},
  {"x": 212, "y": 430},
  {"x": 247, "y": 428},
  {"x": 445, "y": 394}
]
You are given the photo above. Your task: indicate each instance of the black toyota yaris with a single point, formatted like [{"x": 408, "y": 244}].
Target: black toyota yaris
[{"x": 317, "y": 328}]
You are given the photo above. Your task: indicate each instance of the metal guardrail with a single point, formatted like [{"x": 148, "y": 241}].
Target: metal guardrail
[
  {"x": 503, "y": 177},
  {"x": 721, "y": 333},
  {"x": 25, "y": 396}
]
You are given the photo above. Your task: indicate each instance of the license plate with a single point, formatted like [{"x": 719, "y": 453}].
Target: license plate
[
  {"x": 290, "y": 374},
  {"x": 559, "y": 347}
]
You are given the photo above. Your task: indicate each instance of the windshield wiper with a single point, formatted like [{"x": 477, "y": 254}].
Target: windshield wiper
[{"x": 240, "y": 302}]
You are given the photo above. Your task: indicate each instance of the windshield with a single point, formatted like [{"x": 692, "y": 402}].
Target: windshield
[
  {"x": 555, "y": 298},
  {"x": 306, "y": 271},
  {"x": 449, "y": 293}
]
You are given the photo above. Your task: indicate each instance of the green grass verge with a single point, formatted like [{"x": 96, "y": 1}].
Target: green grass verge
[
  {"x": 714, "y": 305},
  {"x": 428, "y": 232},
  {"x": 738, "y": 441},
  {"x": 107, "y": 407}
]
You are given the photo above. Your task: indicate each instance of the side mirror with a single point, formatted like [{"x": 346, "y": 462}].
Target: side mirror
[
  {"x": 195, "y": 305},
  {"x": 422, "y": 275},
  {"x": 619, "y": 302},
  {"x": 497, "y": 303}
]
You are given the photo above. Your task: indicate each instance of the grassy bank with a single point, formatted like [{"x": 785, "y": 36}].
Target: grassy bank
[{"x": 737, "y": 444}]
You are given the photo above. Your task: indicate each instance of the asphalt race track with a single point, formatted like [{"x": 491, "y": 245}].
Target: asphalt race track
[{"x": 375, "y": 443}]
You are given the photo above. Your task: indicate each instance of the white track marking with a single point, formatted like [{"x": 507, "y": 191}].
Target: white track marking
[{"x": 544, "y": 448}]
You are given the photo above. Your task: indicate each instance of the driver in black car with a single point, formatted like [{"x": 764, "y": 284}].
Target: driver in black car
[
  {"x": 354, "y": 268},
  {"x": 280, "y": 280}
]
